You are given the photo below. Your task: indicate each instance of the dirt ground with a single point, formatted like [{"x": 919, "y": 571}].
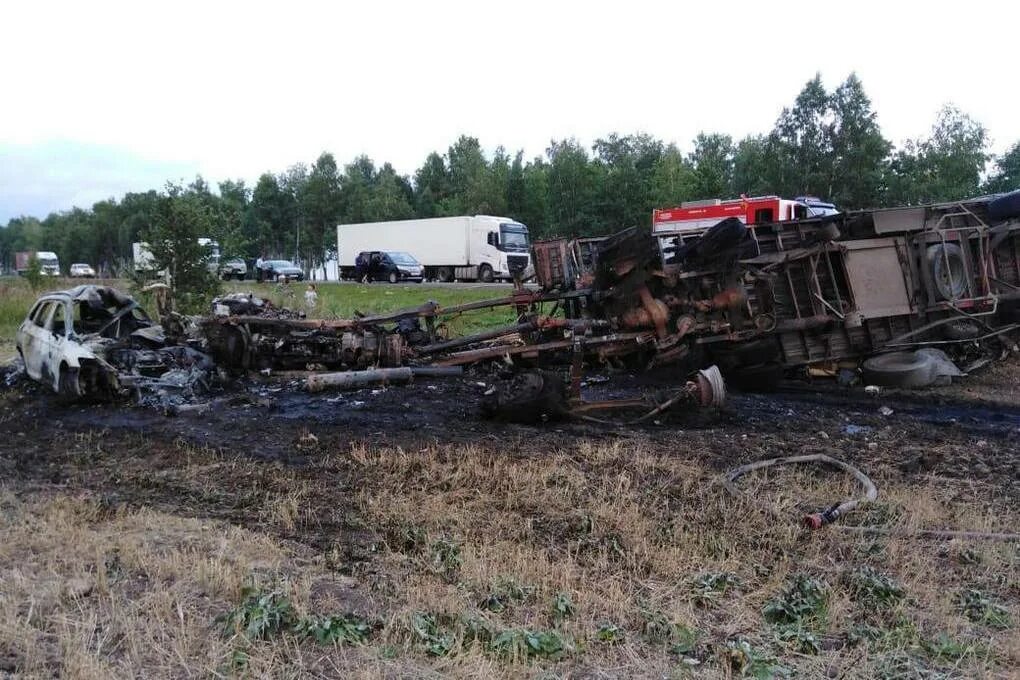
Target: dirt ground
[{"x": 395, "y": 533}]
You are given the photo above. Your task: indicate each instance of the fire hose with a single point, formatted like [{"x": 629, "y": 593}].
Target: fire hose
[{"x": 820, "y": 519}]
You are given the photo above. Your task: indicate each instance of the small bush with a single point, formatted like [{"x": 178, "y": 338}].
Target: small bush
[
  {"x": 803, "y": 598},
  {"x": 873, "y": 588},
  {"x": 562, "y": 608},
  {"x": 980, "y": 608},
  {"x": 522, "y": 643},
  {"x": 334, "y": 629},
  {"x": 260, "y": 615},
  {"x": 709, "y": 587},
  {"x": 609, "y": 633}
]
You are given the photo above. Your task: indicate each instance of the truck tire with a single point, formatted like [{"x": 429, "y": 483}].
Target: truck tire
[
  {"x": 1004, "y": 207},
  {"x": 899, "y": 369},
  {"x": 947, "y": 269},
  {"x": 393, "y": 278},
  {"x": 485, "y": 273},
  {"x": 444, "y": 274}
]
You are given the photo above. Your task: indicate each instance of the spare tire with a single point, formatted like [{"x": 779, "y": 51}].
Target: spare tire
[
  {"x": 1005, "y": 206},
  {"x": 899, "y": 369},
  {"x": 947, "y": 270}
]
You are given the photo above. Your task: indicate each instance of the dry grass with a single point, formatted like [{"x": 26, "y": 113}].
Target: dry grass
[{"x": 633, "y": 545}]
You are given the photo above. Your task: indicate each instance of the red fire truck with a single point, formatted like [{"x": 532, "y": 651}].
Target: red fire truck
[{"x": 693, "y": 217}]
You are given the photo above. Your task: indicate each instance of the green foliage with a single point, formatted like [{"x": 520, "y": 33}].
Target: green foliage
[
  {"x": 444, "y": 558},
  {"x": 181, "y": 218},
  {"x": 609, "y": 633},
  {"x": 505, "y": 593},
  {"x": 263, "y": 615},
  {"x": 800, "y": 639},
  {"x": 524, "y": 643},
  {"x": 709, "y": 587},
  {"x": 802, "y": 598},
  {"x": 426, "y": 629},
  {"x": 260, "y": 615},
  {"x": 872, "y": 588},
  {"x": 1006, "y": 174},
  {"x": 562, "y": 607},
  {"x": 334, "y": 629},
  {"x": 980, "y": 608},
  {"x": 34, "y": 274},
  {"x": 740, "y": 656}
]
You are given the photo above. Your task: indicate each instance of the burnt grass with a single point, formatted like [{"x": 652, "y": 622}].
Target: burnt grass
[{"x": 368, "y": 480}]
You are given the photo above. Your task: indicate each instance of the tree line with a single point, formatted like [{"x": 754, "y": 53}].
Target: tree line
[{"x": 827, "y": 144}]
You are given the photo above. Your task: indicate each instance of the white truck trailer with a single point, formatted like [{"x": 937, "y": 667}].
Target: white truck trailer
[{"x": 479, "y": 248}]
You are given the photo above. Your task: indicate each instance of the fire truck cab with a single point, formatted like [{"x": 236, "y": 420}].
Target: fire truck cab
[{"x": 694, "y": 217}]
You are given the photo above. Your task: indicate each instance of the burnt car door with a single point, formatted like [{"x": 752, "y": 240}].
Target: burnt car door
[
  {"x": 33, "y": 342},
  {"x": 57, "y": 337}
]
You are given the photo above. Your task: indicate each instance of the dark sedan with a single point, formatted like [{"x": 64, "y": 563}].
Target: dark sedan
[{"x": 277, "y": 270}]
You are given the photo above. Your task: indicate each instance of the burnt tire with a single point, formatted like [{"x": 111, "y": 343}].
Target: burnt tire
[
  {"x": 947, "y": 270},
  {"x": 532, "y": 397},
  {"x": 1005, "y": 207},
  {"x": 899, "y": 369},
  {"x": 763, "y": 377},
  {"x": 69, "y": 388}
]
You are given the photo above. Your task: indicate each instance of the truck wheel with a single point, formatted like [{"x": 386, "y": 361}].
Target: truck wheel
[
  {"x": 945, "y": 262},
  {"x": 393, "y": 278},
  {"x": 444, "y": 274},
  {"x": 899, "y": 369},
  {"x": 485, "y": 273}
]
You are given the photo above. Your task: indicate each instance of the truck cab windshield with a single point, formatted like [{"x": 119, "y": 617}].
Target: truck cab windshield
[{"x": 513, "y": 238}]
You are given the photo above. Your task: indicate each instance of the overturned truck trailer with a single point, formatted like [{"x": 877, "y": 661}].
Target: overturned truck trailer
[{"x": 762, "y": 299}]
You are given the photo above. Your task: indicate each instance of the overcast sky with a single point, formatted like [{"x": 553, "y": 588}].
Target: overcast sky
[{"x": 98, "y": 98}]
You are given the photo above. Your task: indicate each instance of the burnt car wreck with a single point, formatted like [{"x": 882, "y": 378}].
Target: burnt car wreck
[
  {"x": 95, "y": 341},
  {"x": 852, "y": 295}
]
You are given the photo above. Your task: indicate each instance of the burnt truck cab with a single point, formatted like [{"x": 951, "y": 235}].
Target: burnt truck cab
[{"x": 66, "y": 340}]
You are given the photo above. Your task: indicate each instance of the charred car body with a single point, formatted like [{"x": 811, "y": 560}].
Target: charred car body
[{"x": 96, "y": 341}]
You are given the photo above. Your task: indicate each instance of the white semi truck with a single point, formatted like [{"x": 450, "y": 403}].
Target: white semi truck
[{"x": 479, "y": 248}]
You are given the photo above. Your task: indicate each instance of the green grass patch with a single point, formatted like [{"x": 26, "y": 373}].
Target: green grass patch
[{"x": 343, "y": 301}]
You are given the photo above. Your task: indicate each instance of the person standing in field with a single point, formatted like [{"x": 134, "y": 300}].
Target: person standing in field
[{"x": 311, "y": 297}]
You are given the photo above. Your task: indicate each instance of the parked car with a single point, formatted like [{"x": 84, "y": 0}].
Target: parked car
[
  {"x": 82, "y": 270},
  {"x": 387, "y": 265},
  {"x": 234, "y": 268},
  {"x": 274, "y": 270}
]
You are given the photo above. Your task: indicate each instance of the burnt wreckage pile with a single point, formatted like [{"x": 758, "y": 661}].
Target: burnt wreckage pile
[
  {"x": 764, "y": 300},
  {"x": 759, "y": 302}
]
